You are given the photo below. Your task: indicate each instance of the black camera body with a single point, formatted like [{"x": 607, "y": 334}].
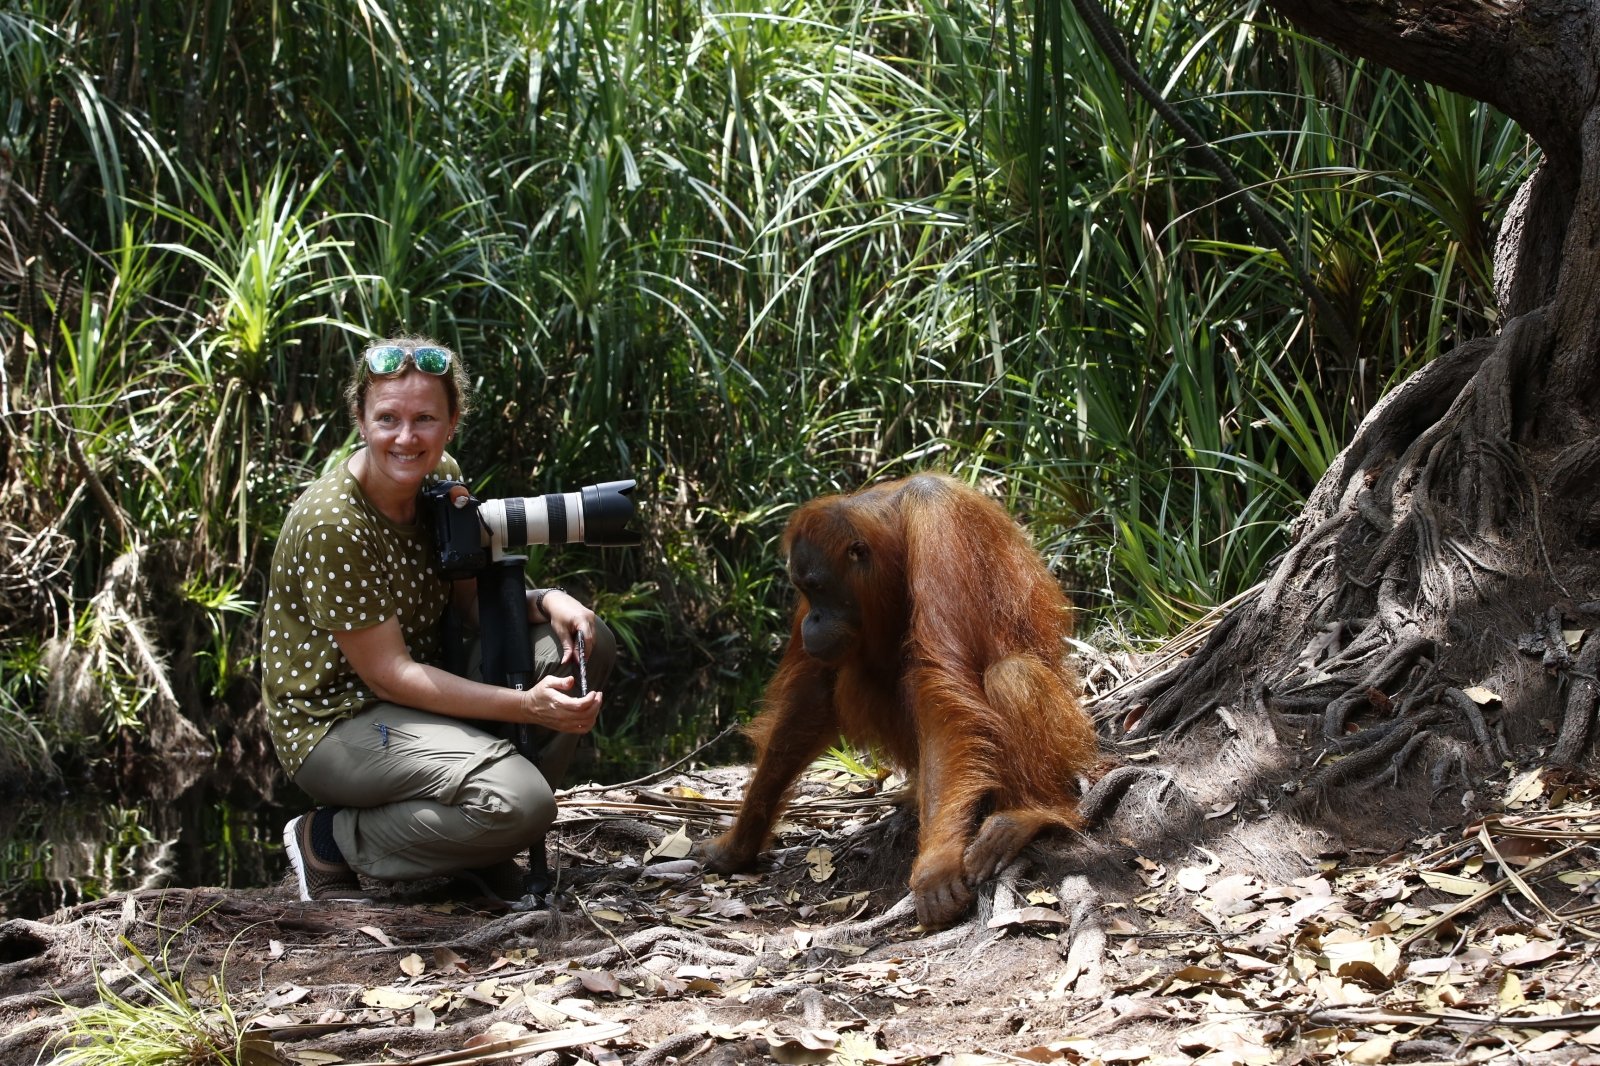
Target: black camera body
[{"x": 469, "y": 533}]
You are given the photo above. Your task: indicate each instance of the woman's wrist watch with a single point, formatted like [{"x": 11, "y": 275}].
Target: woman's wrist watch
[{"x": 538, "y": 598}]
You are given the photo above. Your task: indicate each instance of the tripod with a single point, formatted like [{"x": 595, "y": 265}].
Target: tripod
[{"x": 507, "y": 661}]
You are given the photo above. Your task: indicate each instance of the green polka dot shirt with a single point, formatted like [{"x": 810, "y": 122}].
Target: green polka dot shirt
[{"x": 341, "y": 565}]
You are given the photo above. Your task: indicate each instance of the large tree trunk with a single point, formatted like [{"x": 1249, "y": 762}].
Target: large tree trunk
[{"x": 1453, "y": 541}]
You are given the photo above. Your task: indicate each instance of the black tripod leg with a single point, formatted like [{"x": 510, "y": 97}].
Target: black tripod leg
[{"x": 508, "y": 661}]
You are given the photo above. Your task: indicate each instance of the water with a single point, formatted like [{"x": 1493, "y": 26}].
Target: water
[{"x": 60, "y": 848}]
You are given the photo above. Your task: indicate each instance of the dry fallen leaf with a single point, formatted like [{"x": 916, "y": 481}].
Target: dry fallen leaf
[
  {"x": 600, "y": 981},
  {"x": 1234, "y": 894},
  {"x": 1351, "y": 955},
  {"x": 1510, "y": 995},
  {"x": 258, "y": 1051},
  {"x": 722, "y": 1031},
  {"x": 377, "y": 934},
  {"x": 807, "y": 1045},
  {"x": 1579, "y": 879},
  {"x": 1532, "y": 952},
  {"x": 1548, "y": 1040},
  {"x": 391, "y": 998},
  {"x": 1193, "y": 878},
  {"x": 544, "y": 1015},
  {"x": 675, "y": 845},
  {"x": 1248, "y": 963},
  {"x": 413, "y": 966},
  {"x": 1335, "y": 991},
  {"x": 1451, "y": 883},
  {"x": 1233, "y": 1041},
  {"x": 1525, "y": 789},
  {"x": 843, "y": 904},
  {"x": 284, "y": 996},
  {"x": 856, "y": 1049},
  {"x": 447, "y": 961},
  {"x": 1520, "y": 851},
  {"x": 496, "y": 1033},
  {"x": 1195, "y": 977},
  {"x": 821, "y": 860},
  {"x": 1028, "y": 916},
  {"x": 690, "y": 922},
  {"x": 1084, "y": 1050},
  {"x": 1378, "y": 1049},
  {"x": 307, "y": 1057},
  {"x": 727, "y": 907}
]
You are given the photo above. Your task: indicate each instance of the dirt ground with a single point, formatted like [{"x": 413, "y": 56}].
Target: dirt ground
[{"x": 1210, "y": 919}]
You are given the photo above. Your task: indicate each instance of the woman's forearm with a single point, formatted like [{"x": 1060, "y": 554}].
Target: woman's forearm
[{"x": 429, "y": 688}]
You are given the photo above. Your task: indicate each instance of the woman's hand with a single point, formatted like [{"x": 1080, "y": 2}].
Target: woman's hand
[
  {"x": 379, "y": 655},
  {"x": 549, "y": 703},
  {"x": 568, "y": 618}
]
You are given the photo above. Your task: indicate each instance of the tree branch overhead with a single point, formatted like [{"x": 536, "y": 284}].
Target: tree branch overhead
[{"x": 1503, "y": 53}]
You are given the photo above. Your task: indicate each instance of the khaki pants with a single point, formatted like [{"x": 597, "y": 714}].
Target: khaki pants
[{"x": 422, "y": 794}]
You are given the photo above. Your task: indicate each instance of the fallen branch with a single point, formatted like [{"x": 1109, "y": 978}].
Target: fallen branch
[{"x": 1454, "y": 1019}]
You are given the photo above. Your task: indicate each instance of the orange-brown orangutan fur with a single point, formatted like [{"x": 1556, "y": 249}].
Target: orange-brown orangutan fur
[{"x": 941, "y": 638}]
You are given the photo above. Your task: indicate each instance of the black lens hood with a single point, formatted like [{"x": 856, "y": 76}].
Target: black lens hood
[{"x": 607, "y": 510}]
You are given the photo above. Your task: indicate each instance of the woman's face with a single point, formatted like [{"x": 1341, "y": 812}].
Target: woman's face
[{"x": 406, "y": 423}]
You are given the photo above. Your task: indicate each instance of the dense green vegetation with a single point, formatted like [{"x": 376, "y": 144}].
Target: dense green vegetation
[{"x": 742, "y": 252}]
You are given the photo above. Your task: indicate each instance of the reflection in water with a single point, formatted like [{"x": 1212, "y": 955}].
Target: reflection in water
[
  {"x": 60, "y": 850},
  {"x": 63, "y": 846}
]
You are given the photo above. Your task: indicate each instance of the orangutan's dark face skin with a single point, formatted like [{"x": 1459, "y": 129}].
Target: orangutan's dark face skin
[{"x": 832, "y": 622}]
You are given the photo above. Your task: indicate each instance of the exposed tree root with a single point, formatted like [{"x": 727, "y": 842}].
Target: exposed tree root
[
  {"x": 1193, "y": 687},
  {"x": 1372, "y": 749},
  {"x": 22, "y": 941},
  {"x": 1370, "y": 690},
  {"x": 1085, "y": 943},
  {"x": 664, "y": 940},
  {"x": 22, "y": 1043},
  {"x": 1492, "y": 742},
  {"x": 679, "y": 1048},
  {"x": 496, "y": 934},
  {"x": 1100, "y": 800},
  {"x": 868, "y": 929},
  {"x": 1577, "y": 716},
  {"x": 364, "y": 1043}
]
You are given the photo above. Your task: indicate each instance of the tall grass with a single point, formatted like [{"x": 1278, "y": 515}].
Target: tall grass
[{"x": 742, "y": 252}]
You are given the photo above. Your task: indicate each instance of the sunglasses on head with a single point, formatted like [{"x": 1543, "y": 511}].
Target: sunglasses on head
[{"x": 391, "y": 358}]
